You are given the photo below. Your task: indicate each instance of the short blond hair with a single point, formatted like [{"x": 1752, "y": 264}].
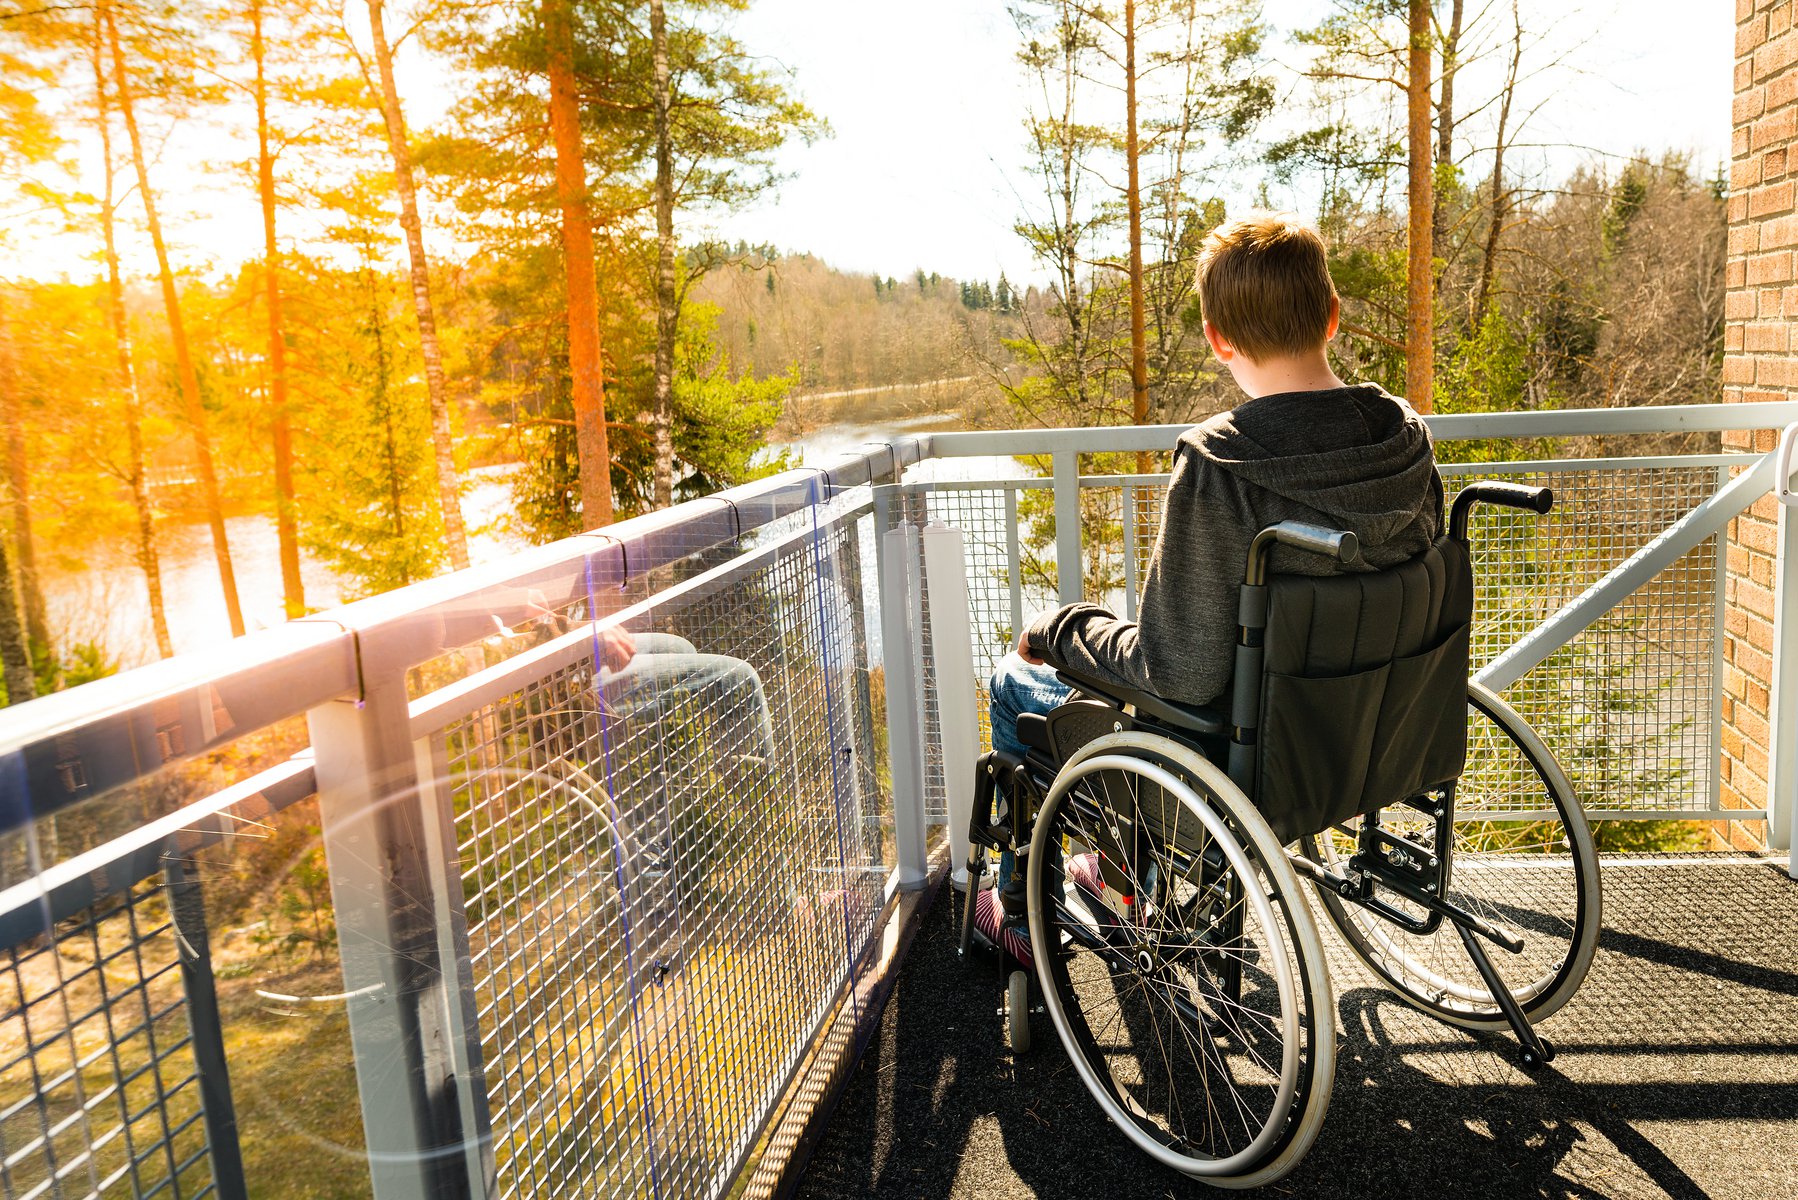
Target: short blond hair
[{"x": 1264, "y": 284}]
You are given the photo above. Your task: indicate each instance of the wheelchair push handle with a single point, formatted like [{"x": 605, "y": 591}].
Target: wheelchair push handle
[
  {"x": 1338, "y": 544},
  {"x": 1538, "y": 500}
]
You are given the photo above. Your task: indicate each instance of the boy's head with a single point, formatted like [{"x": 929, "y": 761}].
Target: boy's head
[{"x": 1264, "y": 286}]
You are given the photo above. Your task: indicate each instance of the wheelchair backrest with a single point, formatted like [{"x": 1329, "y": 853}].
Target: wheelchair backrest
[{"x": 1363, "y": 690}]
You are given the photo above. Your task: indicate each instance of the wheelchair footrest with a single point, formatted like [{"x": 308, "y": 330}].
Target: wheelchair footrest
[{"x": 989, "y": 924}]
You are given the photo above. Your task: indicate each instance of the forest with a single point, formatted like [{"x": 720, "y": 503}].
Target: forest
[{"x": 529, "y": 275}]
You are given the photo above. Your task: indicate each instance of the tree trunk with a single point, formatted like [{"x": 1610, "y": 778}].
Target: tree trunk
[
  {"x": 667, "y": 301},
  {"x": 293, "y": 588},
  {"x": 15, "y": 656},
  {"x": 184, "y": 363},
  {"x": 1420, "y": 307},
  {"x": 448, "y": 492},
  {"x": 1139, "y": 355},
  {"x": 147, "y": 559},
  {"x": 1500, "y": 195},
  {"x": 1445, "y": 126},
  {"x": 584, "y": 364},
  {"x": 37, "y": 619}
]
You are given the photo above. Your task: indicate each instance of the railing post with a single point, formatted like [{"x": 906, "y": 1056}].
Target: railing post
[
  {"x": 901, "y": 637},
  {"x": 952, "y": 652},
  {"x": 187, "y": 911},
  {"x": 1782, "y": 715},
  {"x": 1067, "y": 526},
  {"x": 388, "y": 890}
]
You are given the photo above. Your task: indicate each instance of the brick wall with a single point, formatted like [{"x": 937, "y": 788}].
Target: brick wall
[{"x": 1760, "y": 363}]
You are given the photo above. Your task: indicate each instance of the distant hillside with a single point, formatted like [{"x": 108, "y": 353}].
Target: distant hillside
[{"x": 843, "y": 331}]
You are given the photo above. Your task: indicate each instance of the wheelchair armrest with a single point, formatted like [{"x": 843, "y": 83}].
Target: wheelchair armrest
[{"x": 1168, "y": 712}]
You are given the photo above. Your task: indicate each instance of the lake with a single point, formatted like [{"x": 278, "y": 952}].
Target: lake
[{"x": 99, "y": 595}]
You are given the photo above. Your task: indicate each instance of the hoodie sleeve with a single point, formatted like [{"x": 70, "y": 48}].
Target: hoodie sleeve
[{"x": 1182, "y": 647}]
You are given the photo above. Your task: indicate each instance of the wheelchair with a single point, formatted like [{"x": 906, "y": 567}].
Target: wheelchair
[{"x": 1156, "y": 903}]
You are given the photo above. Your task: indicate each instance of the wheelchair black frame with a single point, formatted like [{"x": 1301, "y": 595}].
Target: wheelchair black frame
[{"x": 1416, "y": 873}]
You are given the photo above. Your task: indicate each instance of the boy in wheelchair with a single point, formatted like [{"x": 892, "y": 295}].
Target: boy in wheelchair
[{"x": 1293, "y": 703}]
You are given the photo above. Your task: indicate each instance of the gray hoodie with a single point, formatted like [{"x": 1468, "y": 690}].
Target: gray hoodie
[{"x": 1352, "y": 458}]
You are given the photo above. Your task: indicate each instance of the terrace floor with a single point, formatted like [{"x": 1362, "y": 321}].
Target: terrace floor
[{"x": 1677, "y": 1074}]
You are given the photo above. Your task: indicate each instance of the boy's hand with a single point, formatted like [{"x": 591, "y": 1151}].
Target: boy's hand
[
  {"x": 616, "y": 648},
  {"x": 1026, "y": 653}
]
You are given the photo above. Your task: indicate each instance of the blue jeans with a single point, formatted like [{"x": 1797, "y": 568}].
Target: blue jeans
[{"x": 1018, "y": 687}]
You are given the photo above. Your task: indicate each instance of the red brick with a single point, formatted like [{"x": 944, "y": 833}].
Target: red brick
[
  {"x": 1773, "y": 164},
  {"x": 1782, "y": 90},
  {"x": 1732, "y": 336},
  {"x": 1732, "y": 742},
  {"x": 1770, "y": 303},
  {"x": 1765, "y": 337},
  {"x": 1752, "y": 790},
  {"x": 1770, "y": 268},
  {"x": 1737, "y": 369},
  {"x": 1774, "y": 129},
  {"x": 1744, "y": 10},
  {"x": 1754, "y": 758},
  {"x": 1739, "y": 306},
  {"x": 1775, "y": 55},
  {"x": 1753, "y": 661},
  {"x": 1760, "y": 631},
  {"x": 1749, "y": 105},
  {"x": 1739, "y": 141},
  {"x": 1775, "y": 372},
  {"x": 1750, "y": 34},
  {"x": 1771, "y": 197},
  {"x": 1779, "y": 19},
  {"x": 1790, "y": 307},
  {"x": 1744, "y": 173},
  {"x": 1735, "y": 273},
  {"x": 1759, "y": 697},
  {"x": 1744, "y": 73}
]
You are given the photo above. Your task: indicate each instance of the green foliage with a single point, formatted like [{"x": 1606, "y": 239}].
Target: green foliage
[
  {"x": 303, "y": 920},
  {"x": 371, "y": 510}
]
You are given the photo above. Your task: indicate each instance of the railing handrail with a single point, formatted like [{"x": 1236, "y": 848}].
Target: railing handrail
[{"x": 1450, "y": 427}]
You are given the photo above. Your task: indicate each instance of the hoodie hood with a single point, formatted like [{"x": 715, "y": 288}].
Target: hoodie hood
[{"x": 1357, "y": 455}]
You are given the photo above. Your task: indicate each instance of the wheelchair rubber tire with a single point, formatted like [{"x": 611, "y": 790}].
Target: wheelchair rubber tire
[
  {"x": 1285, "y": 967},
  {"x": 1418, "y": 968},
  {"x": 1017, "y": 1012}
]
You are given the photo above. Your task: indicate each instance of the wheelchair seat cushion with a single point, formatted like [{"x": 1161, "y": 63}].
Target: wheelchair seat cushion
[{"x": 1364, "y": 689}]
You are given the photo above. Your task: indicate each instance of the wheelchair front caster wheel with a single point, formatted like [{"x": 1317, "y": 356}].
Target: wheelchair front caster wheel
[
  {"x": 1531, "y": 1059},
  {"x": 1017, "y": 1012}
]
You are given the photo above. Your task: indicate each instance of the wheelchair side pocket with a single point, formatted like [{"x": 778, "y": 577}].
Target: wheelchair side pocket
[
  {"x": 1334, "y": 747},
  {"x": 1421, "y": 739},
  {"x": 1316, "y": 744}
]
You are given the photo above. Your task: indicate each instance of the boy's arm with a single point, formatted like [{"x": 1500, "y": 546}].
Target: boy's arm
[{"x": 1182, "y": 648}]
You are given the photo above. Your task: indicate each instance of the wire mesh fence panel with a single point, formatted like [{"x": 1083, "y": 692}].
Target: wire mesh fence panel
[
  {"x": 101, "y": 1096},
  {"x": 1628, "y": 706},
  {"x": 670, "y": 868}
]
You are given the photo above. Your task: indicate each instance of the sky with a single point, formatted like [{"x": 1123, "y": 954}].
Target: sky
[
  {"x": 925, "y": 98},
  {"x": 925, "y": 163}
]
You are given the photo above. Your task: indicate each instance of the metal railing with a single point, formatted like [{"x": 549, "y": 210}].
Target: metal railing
[{"x": 522, "y": 920}]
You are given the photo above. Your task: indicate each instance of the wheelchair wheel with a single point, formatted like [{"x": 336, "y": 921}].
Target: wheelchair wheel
[
  {"x": 1523, "y": 858},
  {"x": 1197, "y": 1011}
]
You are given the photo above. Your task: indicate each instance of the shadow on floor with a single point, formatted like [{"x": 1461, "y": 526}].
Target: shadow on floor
[{"x": 1631, "y": 1108}]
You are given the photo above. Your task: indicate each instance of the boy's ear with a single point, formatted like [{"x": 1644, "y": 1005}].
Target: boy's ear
[
  {"x": 1224, "y": 350},
  {"x": 1335, "y": 318}
]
